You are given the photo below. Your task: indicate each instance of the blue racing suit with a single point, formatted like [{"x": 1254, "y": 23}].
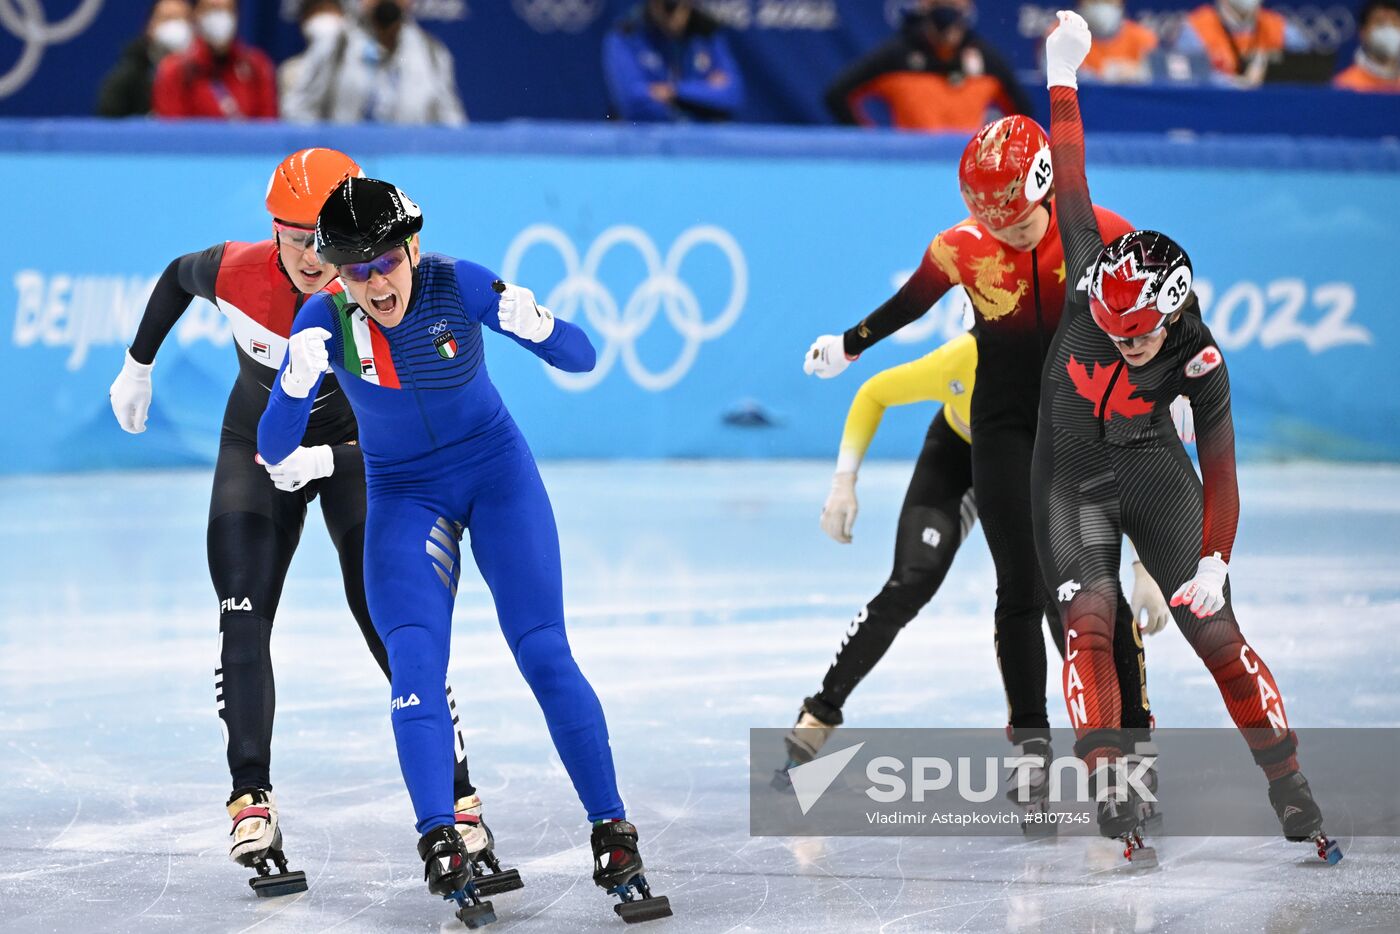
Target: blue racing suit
[{"x": 442, "y": 455}]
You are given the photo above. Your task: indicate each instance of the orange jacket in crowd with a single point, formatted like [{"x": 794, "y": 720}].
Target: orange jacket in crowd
[
  {"x": 1360, "y": 78},
  {"x": 1126, "y": 50},
  {"x": 1268, "y": 36},
  {"x": 195, "y": 83}
]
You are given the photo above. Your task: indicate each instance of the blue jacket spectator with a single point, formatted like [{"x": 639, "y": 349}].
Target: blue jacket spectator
[{"x": 668, "y": 61}]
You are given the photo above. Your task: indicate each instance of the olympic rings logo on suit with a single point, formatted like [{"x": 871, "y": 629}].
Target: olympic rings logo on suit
[
  {"x": 28, "y": 22},
  {"x": 438, "y": 327},
  {"x": 620, "y": 325},
  {"x": 557, "y": 15}
]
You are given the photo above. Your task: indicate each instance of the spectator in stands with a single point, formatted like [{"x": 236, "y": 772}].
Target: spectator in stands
[
  {"x": 384, "y": 69},
  {"x": 1377, "y": 65},
  {"x": 320, "y": 21},
  {"x": 219, "y": 75},
  {"x": 1122, "y": 48},
  {"x": 1238, "y": 38},
  {"x": 126, "y": 91},
  {"x": 935, "y": 74},
  {"x": 668, "y": 61}
]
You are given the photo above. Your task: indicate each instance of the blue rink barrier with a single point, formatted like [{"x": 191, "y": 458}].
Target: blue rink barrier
[{"x": 701, "y": 262}]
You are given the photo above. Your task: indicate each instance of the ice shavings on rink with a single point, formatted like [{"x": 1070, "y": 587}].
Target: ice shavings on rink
[{"x": 703, "y": 600}]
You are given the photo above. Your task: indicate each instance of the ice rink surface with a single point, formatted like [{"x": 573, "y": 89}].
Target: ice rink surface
[{"x": 703, "y": 601}]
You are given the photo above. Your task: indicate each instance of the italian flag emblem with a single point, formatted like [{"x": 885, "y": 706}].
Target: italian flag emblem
[
  {"x": 446, "y": 345},
  {"x": 366, "y": 347}
]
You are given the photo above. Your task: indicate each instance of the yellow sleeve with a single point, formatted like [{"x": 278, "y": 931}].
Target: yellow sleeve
[{"x": 941, "y": 376}]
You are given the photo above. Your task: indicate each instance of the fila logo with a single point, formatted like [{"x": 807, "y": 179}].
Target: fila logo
[
  {"x": 932, "y": 538},
  {"x": 1067, "y": 590},
  {"x": 399, "y": 703},
  {"x": 260, "y": 349},
  {"x": 231, "y": 605},
  {"x": 366, "y": 366}
]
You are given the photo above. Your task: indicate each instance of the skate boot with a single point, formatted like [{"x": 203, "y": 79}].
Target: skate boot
[
  {"x": 1144, "y": 756},
  {"x": 617, "y": 867},
  {"x": 448, "y": 872},
  {"x": 1029, "y": 790},
  {"x": 1300, "y": 816},
  {"x": 816, "y": 722},
  {"x": 1120, "y": 814},
  {"x": 480, "y": 842},
  {"x": 257, "y": 839}
]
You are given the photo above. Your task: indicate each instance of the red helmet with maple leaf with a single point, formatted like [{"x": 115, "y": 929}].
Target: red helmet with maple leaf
[
  {"x": 1005, "y": 171},
  {"x": 1139, "y": 280}
]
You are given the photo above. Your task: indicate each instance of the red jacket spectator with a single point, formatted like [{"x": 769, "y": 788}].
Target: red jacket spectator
[{"x": 237, "y": 85}]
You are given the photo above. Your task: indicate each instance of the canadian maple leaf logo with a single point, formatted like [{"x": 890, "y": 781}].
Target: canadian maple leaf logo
[{"x": 1094, "y": 385}]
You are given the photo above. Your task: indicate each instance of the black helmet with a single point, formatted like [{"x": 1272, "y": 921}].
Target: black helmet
[{"x": 363, "y": 218}]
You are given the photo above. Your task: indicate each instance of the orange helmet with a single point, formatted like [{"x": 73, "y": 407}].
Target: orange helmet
[{"x": 303, "y": 182}]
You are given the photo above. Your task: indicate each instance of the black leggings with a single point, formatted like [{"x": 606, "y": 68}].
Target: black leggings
[
  {"x": 253, "y": 532},
  {"x": 937, "y": 514}
]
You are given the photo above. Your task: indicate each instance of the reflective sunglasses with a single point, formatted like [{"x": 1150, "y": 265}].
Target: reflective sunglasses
[
  {"x": 303, "y": 238},
  {"x": 383, "y": 264},
  {"x": 1130, "y": 341}
]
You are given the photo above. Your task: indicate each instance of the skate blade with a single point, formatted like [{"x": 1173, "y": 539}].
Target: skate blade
[
  {"x": 1144, "y": 857},
  {"x": 283, "y": 883},
  {"x": 1329, "y": 851},
  {"x": 507, "y": 880},
  {"x": 644, "y": 909},
  {"x": 477, "y": 916}
]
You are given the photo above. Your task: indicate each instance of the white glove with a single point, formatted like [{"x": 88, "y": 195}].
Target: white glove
[
  {"x": 307, "y": 359},
  {"x": 1147, "y": 599},
  {"x": 1184, "y": 419},
  {"x": 839, "y": 513},
  {"x": 1206, "y": 591},
  {"x": 826, "y": 357},
  {"x": 131, "y": 395},
  {"x": 1065, "y": 49},
  {"x": 520, "y": 315},
  {"x": 301, "y": 467}
]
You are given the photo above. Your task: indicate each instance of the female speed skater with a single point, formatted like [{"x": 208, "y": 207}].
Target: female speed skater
[
  {"x": 256, "y": 514},
  {"x": 937, "y": 514},
  {"x": 443, "y": 456},
  {"x": 1107, "y": 460},
  {"x": 1007, "y": 256}
]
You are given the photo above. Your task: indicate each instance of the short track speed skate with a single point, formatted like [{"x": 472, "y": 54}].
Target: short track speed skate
[
  {"x": 489, "y": 877},
  {"x": 1030, "y": 787},
  {"x": 257, "y": 840},
  {"x": 617, "y": 867},
  {"x": 815, "y": 724},
  {"x": 448, "y": 872},
  {"x": 1120, "y": 817},
  {"x": 1301, "y": 817}
]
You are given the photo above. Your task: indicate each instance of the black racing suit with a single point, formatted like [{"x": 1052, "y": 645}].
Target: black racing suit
[
  {"x": 1108, "y": 461},
  {"x": 937, "y": 514},
  {"x": 254, "y": 527},
  {"x": 1016, "y": 314}
]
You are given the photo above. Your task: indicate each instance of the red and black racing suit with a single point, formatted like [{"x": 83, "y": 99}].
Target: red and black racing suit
[
  {"x": 1108, "y": 461},
  {"x": 1017, "y": 298},
  {"x": 254, "y": 527}
]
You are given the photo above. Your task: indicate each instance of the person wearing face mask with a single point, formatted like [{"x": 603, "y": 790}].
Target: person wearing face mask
[
  {"x": 1377, "y": 65},
  {"x": 219, "y": 76},
  {"x": 1238, "y": 38},
  {"x": 126, "y": 90},
  {"x": 321, "y": 21},
  {"x": 668, "y": 61},
  {"x": 1108, "y": 461},
  {"x": 934, "y": 75},
  {"x": 1122, "y": 47},
  {"x": 385, "y": 68}
]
